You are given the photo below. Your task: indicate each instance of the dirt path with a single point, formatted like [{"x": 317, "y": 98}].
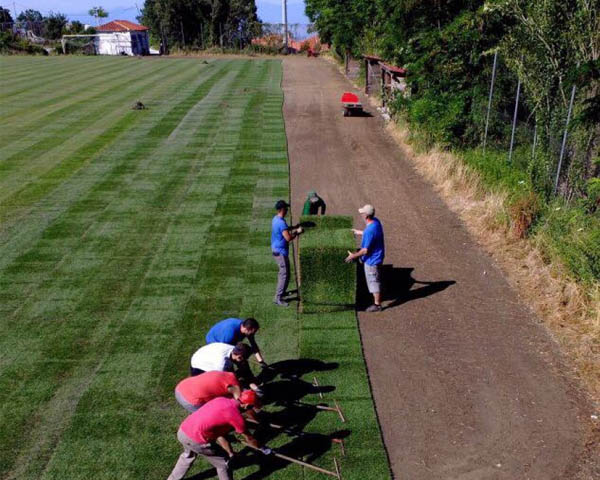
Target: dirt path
[{"x": 467, "y": 384}]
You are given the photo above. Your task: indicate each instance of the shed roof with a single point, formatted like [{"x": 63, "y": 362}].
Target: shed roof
[
  {"x": 121, "y": 26},
  {"x": 372, "y": 57},
  {"x": 393, "y": 69}
]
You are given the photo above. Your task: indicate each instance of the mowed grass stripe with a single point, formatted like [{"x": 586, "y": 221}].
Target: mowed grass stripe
[
  {"x": 117, "y": 180},
  {"x": 25, "y": 65},
  {"x": 131, "y": 148},
  {"x": 175, "y": 171},
  {"x": 37, "y": 103},
  {"x": 33, "y": 80},
  {"x": 33, "y": 160},
  {"x": 53, "y": 177},
  {"x": 18, "y": 145},
  {"x": 26, "y": 87},
  {"x": 87, "y": 194}
]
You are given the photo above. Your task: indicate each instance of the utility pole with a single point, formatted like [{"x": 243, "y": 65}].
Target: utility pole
[{"x": 285, "y": 25}]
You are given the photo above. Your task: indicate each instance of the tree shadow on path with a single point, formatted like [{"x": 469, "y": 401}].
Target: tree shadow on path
[{"x": 397, "y": 287}]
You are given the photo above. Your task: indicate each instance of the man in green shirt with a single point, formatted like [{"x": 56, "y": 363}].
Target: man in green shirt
[{"x": 313, "y": 204}]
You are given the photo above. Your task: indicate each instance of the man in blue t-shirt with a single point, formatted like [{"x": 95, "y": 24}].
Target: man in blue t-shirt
[
  {"x": 281, "y": 236},
  {"x": 372, "y": 252},
  {"x": 234, "y": 330}
]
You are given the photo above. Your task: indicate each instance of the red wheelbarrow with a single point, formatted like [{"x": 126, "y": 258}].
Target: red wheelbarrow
[{"x": 351, "y": 104}]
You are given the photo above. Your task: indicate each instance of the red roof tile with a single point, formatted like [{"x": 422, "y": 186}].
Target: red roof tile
[{"x": 121, "y": 26}]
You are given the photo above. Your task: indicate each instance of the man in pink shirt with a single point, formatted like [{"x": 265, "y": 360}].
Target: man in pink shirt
[
  {"x": 193, "y": 392},
  {"x": 203, "y": 433}
]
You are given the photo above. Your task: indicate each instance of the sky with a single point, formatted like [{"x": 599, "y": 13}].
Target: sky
[{"x": 268, "y": 10}]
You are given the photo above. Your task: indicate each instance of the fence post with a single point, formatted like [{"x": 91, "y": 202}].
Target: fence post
[
  {"x": 514, "y": 125},
  {"x": 487, "y": 118},
  {"x": 564, "y": 140}
]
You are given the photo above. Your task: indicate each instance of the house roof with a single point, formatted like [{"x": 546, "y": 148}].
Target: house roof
[{"x": 121, "y": 26}]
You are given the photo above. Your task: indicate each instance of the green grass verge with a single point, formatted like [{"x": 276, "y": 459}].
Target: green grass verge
[
  {"x": 329, "y": 331},
  {"x": 564, "y": 231},
  {"x": 123, "y": 236}
]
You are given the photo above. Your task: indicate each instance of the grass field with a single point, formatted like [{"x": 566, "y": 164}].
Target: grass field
[{"x": 124, "y": 234}]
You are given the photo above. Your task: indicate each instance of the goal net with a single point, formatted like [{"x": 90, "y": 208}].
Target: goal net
[{"x": 80, "y": 44}]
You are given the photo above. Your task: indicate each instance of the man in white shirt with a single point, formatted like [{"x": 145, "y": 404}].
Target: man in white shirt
[{"x": 223, "y": 357}]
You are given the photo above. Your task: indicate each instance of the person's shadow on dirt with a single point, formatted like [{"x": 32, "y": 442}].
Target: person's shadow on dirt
[{"x": 397, "y": 287}]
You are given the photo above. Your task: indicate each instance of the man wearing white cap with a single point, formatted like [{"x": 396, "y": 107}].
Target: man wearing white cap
[{"x": 372, "y": 253}]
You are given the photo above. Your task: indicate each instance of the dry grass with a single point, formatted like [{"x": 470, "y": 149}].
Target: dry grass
[{"x": 570, "y": 310}]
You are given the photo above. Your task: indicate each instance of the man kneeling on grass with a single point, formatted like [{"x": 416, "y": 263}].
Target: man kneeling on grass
[
  {"x": 223, "y": 357},
  {"x": 203, "y": 433},
  {"x": 193, "y": 392},
  {"x": 233, "y": 331}
]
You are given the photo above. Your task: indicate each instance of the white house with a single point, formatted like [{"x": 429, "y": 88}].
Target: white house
[{"x": 121, "y": 37}]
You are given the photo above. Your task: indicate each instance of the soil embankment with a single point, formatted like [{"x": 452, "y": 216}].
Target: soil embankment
[{"x": 467, "y": 383}]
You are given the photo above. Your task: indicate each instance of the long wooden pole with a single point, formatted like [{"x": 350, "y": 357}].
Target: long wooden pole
[{"x": 299, "y": 462}]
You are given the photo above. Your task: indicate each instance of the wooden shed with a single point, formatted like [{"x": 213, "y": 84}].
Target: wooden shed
[
  {"x": 372, "y": 74},
  {"x": 393, "y": 79}
]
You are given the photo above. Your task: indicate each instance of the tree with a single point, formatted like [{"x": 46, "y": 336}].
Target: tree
[
  {"x": 55, "y": 24},
  {"x": 201, "y": 22},
  {"x": 30, "y": 15},
  {"x": 77, "y": 27},
  {"x": 5, "y": 16},
  {"x": 98, "y": 13}
]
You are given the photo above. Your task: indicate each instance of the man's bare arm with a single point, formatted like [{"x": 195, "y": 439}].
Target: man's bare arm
[
  {"x": 250, "y": 440},
  {"x": 235, "y": 390},
  {"x": 353, "y": 256},
  {"x": 225, "y": 445}
]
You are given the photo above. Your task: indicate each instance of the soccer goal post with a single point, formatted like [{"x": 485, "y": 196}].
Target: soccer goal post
[{"x": 86, "y": 44}]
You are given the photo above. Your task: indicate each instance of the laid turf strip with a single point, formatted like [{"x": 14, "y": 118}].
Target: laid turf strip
[
  {"x": 123, "y": 236},
  {"x": 329, "y": 331}
]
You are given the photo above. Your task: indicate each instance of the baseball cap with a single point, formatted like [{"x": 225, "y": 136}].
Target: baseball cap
[
  {"x": 249, "y": 397},
  {"x": 367, "y": 209},
  {"x": 281, "y": 204}
]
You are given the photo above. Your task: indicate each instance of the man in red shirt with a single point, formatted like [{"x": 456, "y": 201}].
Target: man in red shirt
[
  {"x": 203, "y": 433},
  {"x": 193, "y": 392}
]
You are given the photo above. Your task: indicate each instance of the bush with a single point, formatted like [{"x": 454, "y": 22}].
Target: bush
[
  {"x": 573, "y": 236},
  {"x": 592, "y": 190},
  {"x": 327, "y": 283},
  {"x": 524, "y": 212},
  {"x": 14, "y": 44}
]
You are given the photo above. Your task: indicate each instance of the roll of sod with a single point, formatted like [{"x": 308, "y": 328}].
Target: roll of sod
[{"x": 328, "y": 284}]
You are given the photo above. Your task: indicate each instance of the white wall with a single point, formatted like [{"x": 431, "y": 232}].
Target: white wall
[
  {"x": 118, "y": 43},
  {"x": 114, "y": 43}
]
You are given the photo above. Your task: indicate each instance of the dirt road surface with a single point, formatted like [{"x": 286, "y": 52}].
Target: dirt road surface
[{"x": 467, "y": 383}]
